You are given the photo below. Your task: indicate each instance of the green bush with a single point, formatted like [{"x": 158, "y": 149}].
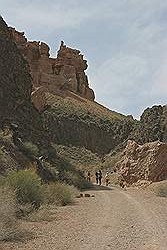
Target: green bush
[
  {"x": 5, "y": 137},
  {"x": 30, "y": 149},
  {"x": 60, "y": 194},
  {"x": 27, "y": 185}
]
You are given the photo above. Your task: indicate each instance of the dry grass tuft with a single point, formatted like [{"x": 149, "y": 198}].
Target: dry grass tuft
[
  {"x": 44, "y": 213},
  {"x": 60, "y": 194}
]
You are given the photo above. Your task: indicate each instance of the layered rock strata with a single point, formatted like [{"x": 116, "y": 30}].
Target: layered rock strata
[{"x": 55, "y": 75}]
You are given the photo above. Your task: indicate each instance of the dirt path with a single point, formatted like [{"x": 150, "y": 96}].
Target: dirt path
[{"x": 113, "y": 219}]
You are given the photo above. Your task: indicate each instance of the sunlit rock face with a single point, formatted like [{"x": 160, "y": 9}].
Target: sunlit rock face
[
  {"x": 64, "y": 73},
  {"x": 143, "y": 162}
]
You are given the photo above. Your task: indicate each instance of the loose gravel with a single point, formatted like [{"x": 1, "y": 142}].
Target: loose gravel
[{"x": 113, "y": 219}]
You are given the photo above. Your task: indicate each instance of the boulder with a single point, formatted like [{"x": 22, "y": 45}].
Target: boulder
[{"x": 87, "y": 195}]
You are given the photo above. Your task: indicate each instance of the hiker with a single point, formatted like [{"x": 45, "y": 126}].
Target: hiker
[
  {"x": 100, "y": 177},
  {"x": 88, "y": 176},
  {"x": 97, "y": 177},
  {"x": 121, "y": 183},
  {"x": 107, "y": 179}
]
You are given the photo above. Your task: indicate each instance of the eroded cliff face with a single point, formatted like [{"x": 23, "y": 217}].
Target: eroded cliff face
[
  {"x": 16, "y": 87},
  {"x": 60, "y": 90},
  {"x": 65, "y": 77},
  {"x": 60, "y": 84},
  {"x": 85, "y": 124},
  {"x": 55, "y": 75},
  {"x": 143, "y": 162},
  {"x": 152, "y": 125}
]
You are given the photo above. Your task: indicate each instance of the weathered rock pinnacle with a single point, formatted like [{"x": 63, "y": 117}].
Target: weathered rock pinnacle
[{"x": 66, "y": 72}]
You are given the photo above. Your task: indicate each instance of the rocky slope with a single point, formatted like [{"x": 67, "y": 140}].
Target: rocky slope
[
  {"x": 60, "y": 91},
  {"x": 152, "y": 126},
  {"x": 146, "y": 162},
  {"x": 62, "y": 95},
  {"x": 15, "y": 89},
  {"x": 85, "y": 123}
]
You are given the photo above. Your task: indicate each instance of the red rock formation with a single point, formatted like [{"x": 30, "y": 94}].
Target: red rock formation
[
  {"x": 143, "y": 162},
  {"x": 66, "y": 72}
]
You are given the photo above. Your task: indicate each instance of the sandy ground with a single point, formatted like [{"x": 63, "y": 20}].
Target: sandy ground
[{"x": 113, "y": 219}]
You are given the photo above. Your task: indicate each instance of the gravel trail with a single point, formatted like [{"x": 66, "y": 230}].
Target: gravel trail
[{"x": 114, "y": 219}]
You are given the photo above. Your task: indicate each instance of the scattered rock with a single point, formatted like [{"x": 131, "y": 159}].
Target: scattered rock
[
  {"x": 78, "y": 196},
  {"x": 87, "y": 195}
]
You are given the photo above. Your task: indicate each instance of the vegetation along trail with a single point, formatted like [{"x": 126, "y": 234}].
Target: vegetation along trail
[{"x": 112, "y": 219}]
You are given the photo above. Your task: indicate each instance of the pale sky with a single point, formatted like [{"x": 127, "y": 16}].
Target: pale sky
[{"x": 124, "y": 41}]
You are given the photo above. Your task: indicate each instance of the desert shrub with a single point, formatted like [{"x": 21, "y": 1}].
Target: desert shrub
[
  {"x": 75, "y": 178},
  {"x": 5, "y": 137},
  {"x": 30, "y": 149},
  {"x": 8, "y": 208},
  {"x": 2, "y": 181},
  {"x": 27, "y": 185},
  {"x": 60, "y": 194},
  {"x": 47, "y": 212}
]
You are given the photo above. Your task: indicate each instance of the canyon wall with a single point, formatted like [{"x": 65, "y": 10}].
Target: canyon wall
[{"x": 15, "y": 89}]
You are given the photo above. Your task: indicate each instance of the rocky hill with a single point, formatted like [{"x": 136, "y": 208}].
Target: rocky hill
[
  {"x": 152, "y": 125},
  {"x": 23, "y": 138},
  {"x": 62, "y": 95},
  {"x": 52, "y": 102},
  {"x": 85, "y": 123},
  {"x": 15, "y": 89}
]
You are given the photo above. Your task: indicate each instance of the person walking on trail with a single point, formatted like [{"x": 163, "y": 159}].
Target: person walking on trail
[
  {"x": 100, "y": 177},
  {"x": 122, "y": 183},
  {"x": 97, "y": 177},
  {"x": 107, "y": 179},
  {"x": 88, "y": 176}
]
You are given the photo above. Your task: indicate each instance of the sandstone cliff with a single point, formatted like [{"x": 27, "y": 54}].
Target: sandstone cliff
[
  {"x": 56, "y": 75},
  {"x": 146, "y": 162}
]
